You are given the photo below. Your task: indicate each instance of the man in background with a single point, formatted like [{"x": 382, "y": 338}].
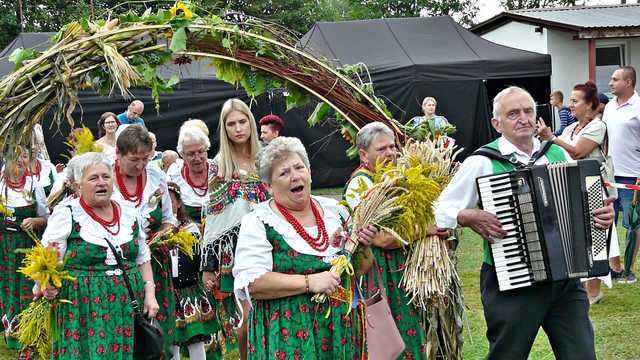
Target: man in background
[
  {"x": 270, "y": 127},
  {"x": 133, "y": 114},
  {"x": 622, "y": 116},
  {"x": 556, "y": 99}
]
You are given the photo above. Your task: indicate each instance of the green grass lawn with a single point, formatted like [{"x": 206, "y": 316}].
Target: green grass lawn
[{"x": 616, "y": 320}]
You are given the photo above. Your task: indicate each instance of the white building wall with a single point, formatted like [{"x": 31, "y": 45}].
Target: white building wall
[
  {"x": 569, "y": 61},
  {"x": 631, "y": 52},
  {"x": 569, "y": 57},
  {"x": 633, "y": 55},
  {"x": 519, "y": 36}
]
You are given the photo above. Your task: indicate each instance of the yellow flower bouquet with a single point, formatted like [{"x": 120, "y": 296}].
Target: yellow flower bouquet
[
  {"x": 37, "y": 323},
  {"x": 170, "y": 238}
]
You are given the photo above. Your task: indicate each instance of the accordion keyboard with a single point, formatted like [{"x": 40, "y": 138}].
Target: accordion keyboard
[{"x": 517, "y": 257}]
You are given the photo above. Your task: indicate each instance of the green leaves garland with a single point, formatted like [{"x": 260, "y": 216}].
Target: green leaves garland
[{"x": 125, "y": 51}]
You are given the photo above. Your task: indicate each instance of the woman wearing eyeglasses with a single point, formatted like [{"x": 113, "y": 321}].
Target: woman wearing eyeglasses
[{"x": 197, "y": 328}]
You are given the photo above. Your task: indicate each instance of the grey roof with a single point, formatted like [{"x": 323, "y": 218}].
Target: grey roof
[
  {"x": 573, "y": 18},
  {"x": 588, "y": 16}
]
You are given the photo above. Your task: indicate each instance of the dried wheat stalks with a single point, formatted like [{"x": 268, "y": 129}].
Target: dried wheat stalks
[{"x": 376, "y": 206}]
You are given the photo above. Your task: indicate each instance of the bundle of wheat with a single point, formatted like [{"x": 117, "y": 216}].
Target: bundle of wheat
[
  {"x": 429, "y": 276},
  {"x": 376, "y": 206}
]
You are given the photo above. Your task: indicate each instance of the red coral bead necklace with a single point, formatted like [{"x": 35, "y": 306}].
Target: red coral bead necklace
[
  {"x": 107, "y": 225},
  {"x": 136, "y": 197},
  {"x": 37, "y": 171},
  {"x": 198, "y": 189},
  {"x": 321, "y": 241},
  {"x": 17, "y": 185}
]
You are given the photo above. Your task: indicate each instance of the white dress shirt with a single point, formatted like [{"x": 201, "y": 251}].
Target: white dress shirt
[{"x": 461, "y": 193}]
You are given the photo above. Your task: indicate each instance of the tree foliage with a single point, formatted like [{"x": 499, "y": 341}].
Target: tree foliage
[
  {"x": 535, "y": 4},
  {"x": 47, "y": 15},
  {"x": 297, "y": 15},
  {"x": 462, "y": 10}
]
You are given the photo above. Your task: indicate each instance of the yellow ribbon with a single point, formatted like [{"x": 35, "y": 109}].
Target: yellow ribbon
[{"x": 339, "y": 265}]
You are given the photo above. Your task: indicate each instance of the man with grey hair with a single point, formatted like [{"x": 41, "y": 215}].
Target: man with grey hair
[
  {"x": 514, "y": 317},
  {"x": 376, "y": 143},
  {"x": 133, "y": 114}
]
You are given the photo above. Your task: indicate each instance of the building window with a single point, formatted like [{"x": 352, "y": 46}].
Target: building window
[{"x": 608, "y": 59}]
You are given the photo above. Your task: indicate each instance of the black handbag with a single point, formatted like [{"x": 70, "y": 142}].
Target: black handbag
[{"x": 148, "y": 336}]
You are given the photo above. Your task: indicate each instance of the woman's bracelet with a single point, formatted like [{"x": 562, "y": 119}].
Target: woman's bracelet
[
  {"x": 149, "y": 282},
  {"x": 306, "y": 284}
]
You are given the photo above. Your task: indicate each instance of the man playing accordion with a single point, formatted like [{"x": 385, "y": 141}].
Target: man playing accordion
[{"x": 514, "y": 317}]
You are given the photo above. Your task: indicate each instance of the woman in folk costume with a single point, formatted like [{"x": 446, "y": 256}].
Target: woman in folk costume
[
  {"x": 39, "y": 166},
  {"x": 99, "y": 321},
  {"x": 283, "y": 257},
  {"x": 144, "y": 187},
  {"x": 23, "y": 210},
  {"x": 586, "y": 138},
  {"x": 196, "y": 323},
  {"x": 235, "y": 186},
  {"x": 376, "y": 143}
]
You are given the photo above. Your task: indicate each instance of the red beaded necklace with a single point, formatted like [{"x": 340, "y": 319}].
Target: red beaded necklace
[
  {"x": 104, "y": 223},
  {"x": 16, "y": 185},
  {"x": 198, "y": 189},
  {"x": 38, "y": 170},
  {"x": 136, "y": 197},
  {"x": 320, "y": 242}
]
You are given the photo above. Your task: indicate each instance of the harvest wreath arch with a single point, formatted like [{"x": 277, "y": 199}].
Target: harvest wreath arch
[
  {"x": 126, "y": 51},
  {"x": 120, "y": 52}
]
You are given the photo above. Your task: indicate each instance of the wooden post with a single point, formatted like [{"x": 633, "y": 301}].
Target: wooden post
[{"x": 592, "y": 59}]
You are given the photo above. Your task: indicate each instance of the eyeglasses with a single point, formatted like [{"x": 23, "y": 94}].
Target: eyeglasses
[
  {"x": 195, "y": 154},
  {"x": 513, "y": 114}
]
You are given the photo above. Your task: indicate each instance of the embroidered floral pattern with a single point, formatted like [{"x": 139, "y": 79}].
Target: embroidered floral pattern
[
  {"x": 288, "y": 328},
  {"x": 99, "y": 320},
  {"x": 223, "y": 193}
]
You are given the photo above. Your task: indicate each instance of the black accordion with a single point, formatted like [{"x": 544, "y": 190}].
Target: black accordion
[{"x": 547, "y": 212}]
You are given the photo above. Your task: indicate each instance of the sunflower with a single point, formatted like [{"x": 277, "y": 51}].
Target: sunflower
[{"x": 181, "y": 8}]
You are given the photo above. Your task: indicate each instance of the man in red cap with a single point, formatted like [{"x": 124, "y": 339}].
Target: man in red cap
[{"x": 270, "y": 127}]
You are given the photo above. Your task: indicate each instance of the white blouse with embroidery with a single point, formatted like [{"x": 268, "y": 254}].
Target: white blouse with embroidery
[
  {"x": 254, "y": 258},
  {"x": 60, "y": 222},
  {"x": 155, "y": 191},
  {"x": 46, "y": 169},
  {"x": 187, "y": 195},
  {"x": 32, "y": 192}
]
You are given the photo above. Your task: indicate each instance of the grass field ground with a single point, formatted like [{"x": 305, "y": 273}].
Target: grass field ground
[{"x": 616, "y": 320}]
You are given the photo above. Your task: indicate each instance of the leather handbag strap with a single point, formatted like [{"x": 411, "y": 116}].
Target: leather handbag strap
[
  {"x": 132, "y": 298},
  {"x": 374, "y": 269}
]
